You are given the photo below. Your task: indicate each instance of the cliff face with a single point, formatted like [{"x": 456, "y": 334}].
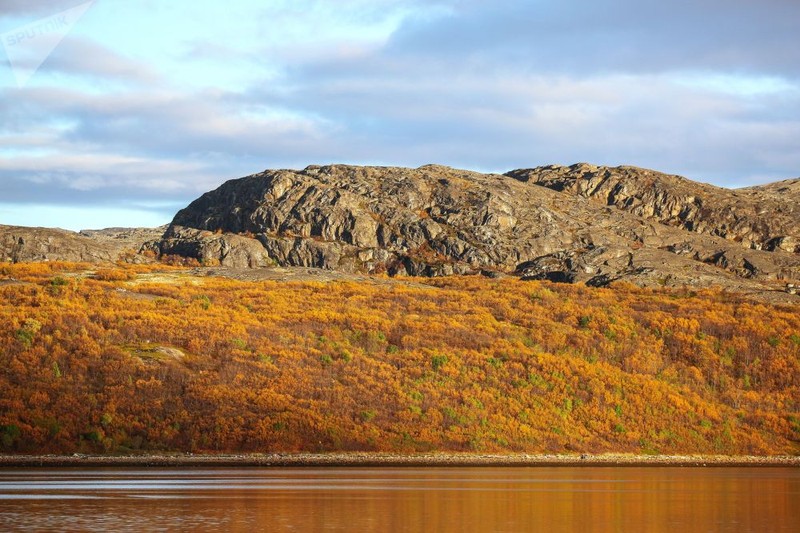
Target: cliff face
[
  {"x": 427, "y": 221},
  {"x": 578, "y": 223}
]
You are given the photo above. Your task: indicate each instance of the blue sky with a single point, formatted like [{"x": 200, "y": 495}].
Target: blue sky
[{"x": 142, "y": 106}]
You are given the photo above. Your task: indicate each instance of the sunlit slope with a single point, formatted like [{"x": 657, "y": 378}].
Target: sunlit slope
[{"x": 133, "y": 360}]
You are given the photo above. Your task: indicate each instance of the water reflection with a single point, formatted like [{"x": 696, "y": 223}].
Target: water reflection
[{"x": 403, "y": 499}]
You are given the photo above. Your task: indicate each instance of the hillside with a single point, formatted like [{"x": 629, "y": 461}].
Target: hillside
[
  {"x": 766, "y": 217},
  {"x": 581, "y": 223},
  {"x": 336, "y": 308},
  {"x": 147, "y": 358},
  {"x": 23, "y": 244},
  {"x": 569, "y": 224}
]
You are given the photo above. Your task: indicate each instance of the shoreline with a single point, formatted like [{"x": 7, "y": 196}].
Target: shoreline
[{"x": 361, "y": 459}]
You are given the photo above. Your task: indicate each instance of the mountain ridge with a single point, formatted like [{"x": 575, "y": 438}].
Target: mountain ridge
[
  {"x": 20, "y": 244},
  {"x": 577, "y": 223},
  {"x": 733, "y": 214},
  {"x": 544, "y": 223}
]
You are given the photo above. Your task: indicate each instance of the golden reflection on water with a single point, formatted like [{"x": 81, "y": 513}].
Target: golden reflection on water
[{"x": 405, "y": 499}]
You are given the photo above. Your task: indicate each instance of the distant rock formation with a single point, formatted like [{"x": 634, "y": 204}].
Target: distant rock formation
[
  {"x": 580, "y": 223},
  {"x": 573, "y": 224},
  {"x": 763, "y": 218},
  {"x": 23, "y": 244}
]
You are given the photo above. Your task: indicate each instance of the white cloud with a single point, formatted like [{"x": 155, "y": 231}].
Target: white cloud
[
  {"x": 735, "y": 84},
  {"x": 12, "y": 8},
  {"x": 165, "y": 104}
]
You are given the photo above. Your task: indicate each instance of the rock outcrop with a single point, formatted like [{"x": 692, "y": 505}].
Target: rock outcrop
[
  {"x": 571, "y": 224},
  {"x": 765, "y": 217},
  {"x": 211, "y": 249},
  {"x": 567, "y": 224},
  {"x": 24, "y": 244}
]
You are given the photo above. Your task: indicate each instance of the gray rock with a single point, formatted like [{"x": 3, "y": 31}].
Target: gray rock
[
  {"x": 568, "y": 224},
  {"x": 581, "y": 223},
  {"x": 211, "y": 249},
  {"x": 25, "y": 244},
  {"x": 763, "y": 217}
]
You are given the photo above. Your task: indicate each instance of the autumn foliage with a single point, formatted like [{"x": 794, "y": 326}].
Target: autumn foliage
[{"x": 149, "y": 358}]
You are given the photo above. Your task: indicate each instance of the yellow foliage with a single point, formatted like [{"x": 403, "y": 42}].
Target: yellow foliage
[{"x": 461, "y": 363}]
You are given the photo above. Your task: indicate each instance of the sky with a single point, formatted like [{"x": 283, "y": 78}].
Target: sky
[{"x": 121, "y": 112}]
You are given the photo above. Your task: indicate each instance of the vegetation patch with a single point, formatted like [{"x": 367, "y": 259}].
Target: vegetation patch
[{"x": 455, "y": 364}]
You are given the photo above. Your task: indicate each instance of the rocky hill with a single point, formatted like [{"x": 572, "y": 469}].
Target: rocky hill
[
  {"x": 577, "y": 223},
  {"x": 765, "y": 217},
  {"x": 23, "y": 244},
  {"x": 580, "y": 223}
]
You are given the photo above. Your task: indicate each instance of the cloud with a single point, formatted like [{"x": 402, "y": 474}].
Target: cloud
[
  {"x": 86, "y": 178},
  {"x": 417, "y": 109},
  {"x": 78, "y": 56},
  {"x": 707, "y": 89},
  {"x": 35, "y": 7},
  {"x": 612, "y": 36},
  {"x": 68, "y": 146}
]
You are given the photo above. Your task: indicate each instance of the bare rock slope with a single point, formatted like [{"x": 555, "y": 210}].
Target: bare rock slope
[
  {"x": 577, "y": 223},
  {"x": 765, "y": 217},
  {"x": 23, "y": 244}
]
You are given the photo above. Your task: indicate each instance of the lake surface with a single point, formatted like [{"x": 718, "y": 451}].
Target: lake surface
[{"x": 549, "y": 499}]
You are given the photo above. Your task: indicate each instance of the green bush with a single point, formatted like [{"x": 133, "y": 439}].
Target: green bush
[
  {"x": 9, "y": 434},
  {"x": 28, "y": 332},
  {"x": 438, "y": 361}
]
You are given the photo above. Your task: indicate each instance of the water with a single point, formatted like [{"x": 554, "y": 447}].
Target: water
[{"x": 402, "y": 499}]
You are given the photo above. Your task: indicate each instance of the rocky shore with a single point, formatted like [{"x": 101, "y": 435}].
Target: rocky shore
[{"x": 389, "y": 460}]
